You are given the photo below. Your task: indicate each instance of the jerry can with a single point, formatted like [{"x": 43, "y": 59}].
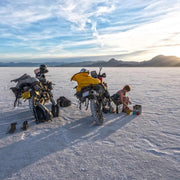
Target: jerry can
[{"x": 137, "y": 109}]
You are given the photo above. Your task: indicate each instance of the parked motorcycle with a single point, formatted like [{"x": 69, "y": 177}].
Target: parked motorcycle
[
  {"x": 106, "y": 101},
  {"x": 38, "y": 94},
  {"x": 91, "y": 89}
]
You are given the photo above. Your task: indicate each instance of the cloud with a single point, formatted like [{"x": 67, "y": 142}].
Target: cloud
[
  {"x": 23, "y": 13},
  {"x": 82, "y": 12},
  {"x": 89, "y": 27}
]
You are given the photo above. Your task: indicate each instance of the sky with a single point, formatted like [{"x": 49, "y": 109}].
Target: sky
[{"x": 71, "y": 30}]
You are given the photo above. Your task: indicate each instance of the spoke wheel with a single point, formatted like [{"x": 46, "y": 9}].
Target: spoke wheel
[{"x": 96, "y": 110}]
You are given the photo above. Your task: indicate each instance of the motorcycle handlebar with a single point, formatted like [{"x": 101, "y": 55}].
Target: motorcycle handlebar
[{"x": 103, "y": 75}]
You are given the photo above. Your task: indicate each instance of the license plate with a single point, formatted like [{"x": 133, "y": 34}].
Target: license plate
[
  {"x": 85, "y": 94},
  {"x": 26, "y": 95}
]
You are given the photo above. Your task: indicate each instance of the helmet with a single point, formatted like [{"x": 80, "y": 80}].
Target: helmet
[
  {"x": 84, "y": 70},
  {"x": 43, "y": 68}
]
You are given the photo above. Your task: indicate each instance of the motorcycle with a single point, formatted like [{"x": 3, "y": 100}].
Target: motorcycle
[
  {"x": 106, "y": 101},
  {"x": 37, "y": 93},
  {"x": 91, "y": 89}
]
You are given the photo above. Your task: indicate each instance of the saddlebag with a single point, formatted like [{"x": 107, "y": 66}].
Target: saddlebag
[
  {"x": 115, "y": 99},
  {"x": 42, "y": 113}
]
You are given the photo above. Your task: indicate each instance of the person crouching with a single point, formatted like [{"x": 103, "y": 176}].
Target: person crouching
[{"x": 121, "y": 98}]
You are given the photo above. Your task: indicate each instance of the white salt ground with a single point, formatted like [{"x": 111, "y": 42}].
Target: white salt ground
[{"x": 72, "y": 147}]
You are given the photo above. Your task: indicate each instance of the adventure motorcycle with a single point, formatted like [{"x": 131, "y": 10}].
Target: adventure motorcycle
[
  {"x": 106, "y": 101},
  {"x": 91, "y": 89},
  {"x": 38, "y": 93}
]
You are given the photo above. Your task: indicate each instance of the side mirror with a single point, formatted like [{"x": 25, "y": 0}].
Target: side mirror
[{"x": 103, "y": 75}]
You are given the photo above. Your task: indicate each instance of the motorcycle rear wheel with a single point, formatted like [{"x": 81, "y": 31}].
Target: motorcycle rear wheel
[{"x": 96, "y": 110}]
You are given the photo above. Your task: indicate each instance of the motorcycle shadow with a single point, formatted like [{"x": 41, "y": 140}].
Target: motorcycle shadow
[
  {"x": 112, "y": 123},
  {"x": 50, "y": 138}
]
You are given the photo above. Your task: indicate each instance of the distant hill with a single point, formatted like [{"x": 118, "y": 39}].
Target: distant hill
[
  {"x": 158, "y": 61},
  {"x": 163, "y": 61},
  {"x": 115, "y": 63},
  {"x": 27, "y": 64}
]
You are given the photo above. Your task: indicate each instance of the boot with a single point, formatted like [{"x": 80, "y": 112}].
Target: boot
[
  {"x": 13, "y": 127},
  {"x": 25, "y": 126}
]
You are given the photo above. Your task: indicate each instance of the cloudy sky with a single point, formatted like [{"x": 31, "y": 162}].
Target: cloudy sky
[{"x": 126, "y": 29}]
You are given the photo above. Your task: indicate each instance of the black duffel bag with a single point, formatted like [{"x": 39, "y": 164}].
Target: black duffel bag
[{"x": 63, "y": 101}]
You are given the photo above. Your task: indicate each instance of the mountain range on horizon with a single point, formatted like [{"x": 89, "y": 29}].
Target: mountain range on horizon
[{"x": 157, "y": 61}]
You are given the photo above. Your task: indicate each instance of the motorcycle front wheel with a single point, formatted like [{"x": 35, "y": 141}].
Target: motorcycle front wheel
[
  {"x": 96, "y": 110},
  {"x": 32, "y": 102}
]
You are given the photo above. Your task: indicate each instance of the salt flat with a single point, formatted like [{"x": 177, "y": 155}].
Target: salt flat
[{"x": 73, "y": 147}]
